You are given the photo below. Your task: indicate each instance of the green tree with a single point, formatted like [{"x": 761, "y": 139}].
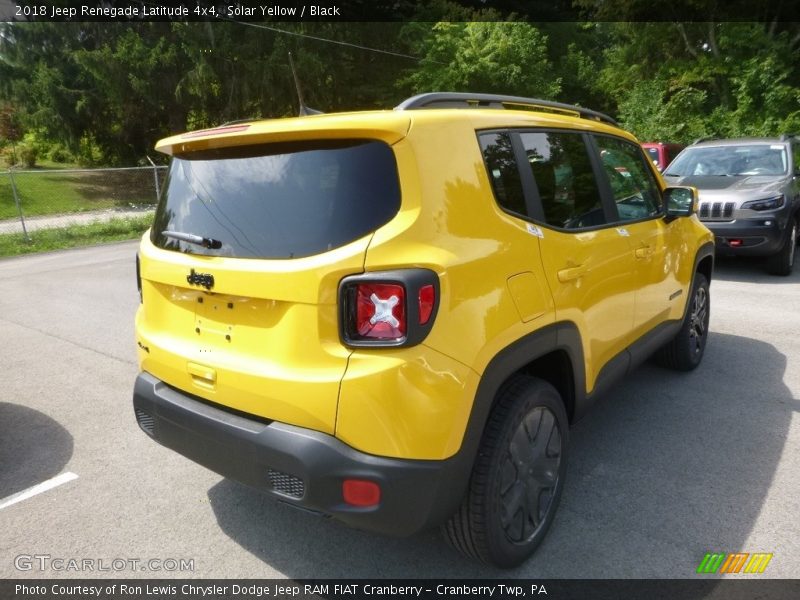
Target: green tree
[
  {"x": 119, "y": 88},
  {"x": 95, "y": 84},
  {"x": 679, "y": 81},
  {"x": 501, "y": 57}
]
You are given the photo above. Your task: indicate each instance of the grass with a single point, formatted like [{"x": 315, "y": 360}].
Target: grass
[
  {"x": 44, "y": 163},
  {"x": 42, "y": 240},
  {"x": 44, "y": 192}
]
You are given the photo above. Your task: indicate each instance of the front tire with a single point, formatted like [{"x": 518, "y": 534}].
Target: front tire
[
  {"x": 517, "y": 478},
  {"x": 782, "y": 263},
  {"x": 686, "y": 349}
]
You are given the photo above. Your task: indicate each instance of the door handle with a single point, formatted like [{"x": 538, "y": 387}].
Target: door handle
[
  {"x": 571, "y": 273},
  {"x": 644, "y": 252}
]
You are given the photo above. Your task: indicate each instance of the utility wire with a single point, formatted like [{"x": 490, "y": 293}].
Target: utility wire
[
  {"x": 314, "y": 37},
  {"x": 326, "y": 40}
]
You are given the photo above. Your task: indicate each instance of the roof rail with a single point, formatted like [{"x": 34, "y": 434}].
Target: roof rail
[
  {"x": 787, "y": 136},
  {"x": 464, "y": 100}
]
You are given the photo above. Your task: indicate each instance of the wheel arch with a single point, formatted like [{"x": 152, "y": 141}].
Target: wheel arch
[
  {"x": 704, "y": 261},
  {"x": 553, "y": 353}
]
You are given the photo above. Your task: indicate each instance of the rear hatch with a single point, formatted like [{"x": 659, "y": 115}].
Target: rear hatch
[{"x": 240, "y": 270}]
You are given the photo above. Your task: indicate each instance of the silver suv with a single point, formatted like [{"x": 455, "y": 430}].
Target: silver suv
[{"x": 749, "y": 192}]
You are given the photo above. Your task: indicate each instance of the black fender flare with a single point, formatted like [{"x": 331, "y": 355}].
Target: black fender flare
[{"x": 561, "y": 336}]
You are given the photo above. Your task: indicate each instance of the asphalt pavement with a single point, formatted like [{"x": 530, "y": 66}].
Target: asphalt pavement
[{"x": 666, "y": 467}]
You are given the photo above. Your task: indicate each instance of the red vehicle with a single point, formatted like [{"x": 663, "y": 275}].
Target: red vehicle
[{"x": 662, "y": 153}]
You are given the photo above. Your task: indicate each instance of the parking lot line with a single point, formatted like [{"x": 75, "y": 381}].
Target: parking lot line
[{"x": 37, "y": 489}]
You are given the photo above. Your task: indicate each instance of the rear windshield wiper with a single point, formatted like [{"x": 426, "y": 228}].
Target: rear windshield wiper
[{"x": 193, "y": 239}]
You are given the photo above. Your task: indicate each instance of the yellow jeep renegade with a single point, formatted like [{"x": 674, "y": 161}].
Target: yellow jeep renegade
[{"x": 392, "y": 317}]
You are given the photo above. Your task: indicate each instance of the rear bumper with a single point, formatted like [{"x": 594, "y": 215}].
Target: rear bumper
[
  {"x": 298, "y": 466},
  {"x": 754, "y": 236}
]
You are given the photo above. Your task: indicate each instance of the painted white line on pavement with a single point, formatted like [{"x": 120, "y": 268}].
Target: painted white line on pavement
[{"x": 37, "y": 489}]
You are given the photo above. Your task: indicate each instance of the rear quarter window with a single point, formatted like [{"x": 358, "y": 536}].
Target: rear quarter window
[{"x": 278, "y": 201}]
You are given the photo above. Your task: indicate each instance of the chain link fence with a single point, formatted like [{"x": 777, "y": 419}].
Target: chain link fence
[{"x": 34, "y": 200}]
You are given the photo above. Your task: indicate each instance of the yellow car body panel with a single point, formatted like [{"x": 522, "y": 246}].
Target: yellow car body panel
[
  {"x": 405, "y": 403},
  {"x": 386, "y": 126},
  {"x": 269, "y": 330}
]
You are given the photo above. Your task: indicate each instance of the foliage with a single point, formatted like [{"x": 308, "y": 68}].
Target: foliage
[
  {"x": 103, "y": 93},
  {"x": 28, "y": 155},
  {"x": 654, "y": 113},
  {"x": 9, "y": 156},
  {"x": 487, "y": 56},
  {"x": 58, "y": 153},
  {"x": 10, "y": 129},
  {"x": 676, "y": 81}
]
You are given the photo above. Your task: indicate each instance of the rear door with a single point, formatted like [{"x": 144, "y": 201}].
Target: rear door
[{"x": 587, "y": 261}]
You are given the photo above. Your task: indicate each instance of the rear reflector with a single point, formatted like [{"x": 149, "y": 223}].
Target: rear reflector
[
  {"x": 735, "y": 243},
  {"x": 427, "y": 299},
  {"x": 358, "y": 492}
]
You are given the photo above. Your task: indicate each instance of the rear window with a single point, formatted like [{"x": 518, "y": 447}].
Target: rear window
[{"x": 279, "y": 201}]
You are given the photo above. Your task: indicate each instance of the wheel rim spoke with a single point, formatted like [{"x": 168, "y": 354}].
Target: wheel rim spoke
[
  {"x": 529, "y": 475},
  {"x": 697, "y": 327},
  {"x": 513, "y": 507}
]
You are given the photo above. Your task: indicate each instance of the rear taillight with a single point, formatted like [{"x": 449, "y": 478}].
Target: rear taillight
[
  {"x": 390, "y": 308},
  {"x": 380, "y": 311}
]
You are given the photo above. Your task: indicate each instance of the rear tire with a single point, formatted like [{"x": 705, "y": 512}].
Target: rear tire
[
  {"x": 782, "y": 263},
  {"x": 686, "y": 349},
  {"x": 517, "y": 478}
]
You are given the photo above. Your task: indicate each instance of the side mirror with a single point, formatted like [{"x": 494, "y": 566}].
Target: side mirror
[{"x": 680, "y": 201}]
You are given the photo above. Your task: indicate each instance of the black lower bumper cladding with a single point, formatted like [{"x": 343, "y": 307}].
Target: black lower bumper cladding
[{"x": 302, "y": 467}]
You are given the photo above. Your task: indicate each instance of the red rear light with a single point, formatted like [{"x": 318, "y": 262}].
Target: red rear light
[
  {"x": 387, "y": 308},
  {"x": 359, "y": 492},
  {"x": 380, "y": 311},
  {"x": 735, "y": 243},
  {"x": 427, "y": 299}
]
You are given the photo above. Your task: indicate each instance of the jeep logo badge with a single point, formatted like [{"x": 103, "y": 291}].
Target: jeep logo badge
[{"x": 203, "y": 279}]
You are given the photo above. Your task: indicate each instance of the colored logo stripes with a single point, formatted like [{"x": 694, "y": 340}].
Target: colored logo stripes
[{"x": 737, "y": 562}]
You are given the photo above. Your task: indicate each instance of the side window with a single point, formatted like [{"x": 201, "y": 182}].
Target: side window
[
  {"x": 502, "y": 166},
  {"x": 564, "y": 178},
  {"x": 635, "y": 190}
]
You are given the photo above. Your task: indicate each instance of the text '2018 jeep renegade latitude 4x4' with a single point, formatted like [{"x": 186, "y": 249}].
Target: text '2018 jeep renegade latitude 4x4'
[{"x": 392, "y": 317}]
